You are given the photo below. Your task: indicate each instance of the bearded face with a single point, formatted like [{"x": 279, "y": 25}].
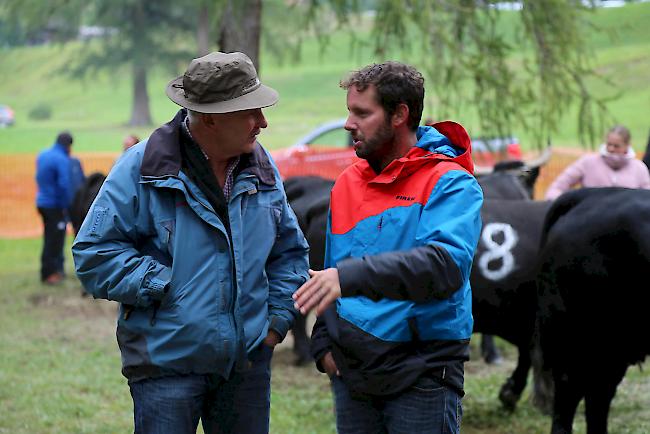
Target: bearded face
[{"x": 369, "y": 125}]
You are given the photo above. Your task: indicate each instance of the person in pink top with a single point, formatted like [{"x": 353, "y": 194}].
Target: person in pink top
[{"x": 615, "y": 165}]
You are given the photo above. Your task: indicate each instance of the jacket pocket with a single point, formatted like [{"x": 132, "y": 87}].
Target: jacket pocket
[
  {"x": 264, "y": 218},
  {"x": 371, "y": 236},
  {"x": 167, "y": 232}
]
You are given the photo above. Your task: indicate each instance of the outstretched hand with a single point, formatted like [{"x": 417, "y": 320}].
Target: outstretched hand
[{"x": 318, "y": 292}]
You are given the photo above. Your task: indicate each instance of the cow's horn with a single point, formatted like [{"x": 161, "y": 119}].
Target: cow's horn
[
  {"x": 542, "y": 159},
  {"x": 482, "y": 170}
]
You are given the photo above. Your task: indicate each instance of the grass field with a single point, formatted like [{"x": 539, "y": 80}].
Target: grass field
[
  {"x": 60, "y": 370},
  {"x": 96, "y": 109}
]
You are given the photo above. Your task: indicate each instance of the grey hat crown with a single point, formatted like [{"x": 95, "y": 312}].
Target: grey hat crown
[
  {"x": 219, "y": 77},
  {"x": 220, "y": 83}
]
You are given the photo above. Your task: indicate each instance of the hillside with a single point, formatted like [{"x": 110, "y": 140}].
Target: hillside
[{"x": 96, "y": 109}]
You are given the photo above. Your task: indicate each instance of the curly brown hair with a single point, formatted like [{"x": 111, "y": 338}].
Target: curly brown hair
[{"x": 396, "y": 83}]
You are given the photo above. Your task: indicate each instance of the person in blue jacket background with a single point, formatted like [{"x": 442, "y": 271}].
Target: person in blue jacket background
[
  {"x": 192, "y": 234},
  {"x": 56, "y": 176},
  {"x": 394, "y": 299}
]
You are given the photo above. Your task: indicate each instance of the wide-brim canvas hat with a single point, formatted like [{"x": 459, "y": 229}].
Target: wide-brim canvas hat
[{"x": 221, "y": 83}]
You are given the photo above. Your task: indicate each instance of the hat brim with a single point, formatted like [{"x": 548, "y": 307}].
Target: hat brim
[{"x": 261, "y": 97}]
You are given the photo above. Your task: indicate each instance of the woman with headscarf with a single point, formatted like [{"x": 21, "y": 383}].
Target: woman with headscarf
[{"x": 615, "y": 165}]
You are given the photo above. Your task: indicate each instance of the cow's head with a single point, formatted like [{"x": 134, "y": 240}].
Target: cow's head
[{"x": 513, "y": 179}]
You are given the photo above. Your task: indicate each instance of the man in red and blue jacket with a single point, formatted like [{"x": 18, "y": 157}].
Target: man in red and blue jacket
[{"x": 394, "y": 299}]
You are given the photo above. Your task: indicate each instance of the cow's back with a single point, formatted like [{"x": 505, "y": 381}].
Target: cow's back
[
  {"x": 595, "y": 264},
  {"x": 84, "y": 198}
]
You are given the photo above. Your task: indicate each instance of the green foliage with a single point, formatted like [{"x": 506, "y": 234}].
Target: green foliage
[
  {"x": 147, "y": 34},
  {"x": 35, "y": 21},
  {"x": 518, "y": 70},
  {"x": 97, "y": 108},
  {"x": 40, "y": 112}
]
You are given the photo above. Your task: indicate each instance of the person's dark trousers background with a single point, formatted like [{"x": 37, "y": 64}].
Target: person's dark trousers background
[{"x": 54, "y": 226}]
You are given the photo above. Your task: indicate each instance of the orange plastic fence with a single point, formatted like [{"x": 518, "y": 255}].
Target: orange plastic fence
[
  {"x": 19, "y": 218},
  {"x": 18, "y": 215}
]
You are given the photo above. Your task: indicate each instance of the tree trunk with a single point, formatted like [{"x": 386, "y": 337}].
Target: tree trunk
[
  {"x": 203, "y": 31},
  {"x": 140, "y": 115},
  {"x": 241, "y": 25}
]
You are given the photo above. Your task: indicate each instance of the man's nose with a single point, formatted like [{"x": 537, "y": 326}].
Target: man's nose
[
  {"x": 261, "y": 120},
  {"x": 350, "y": 124}
]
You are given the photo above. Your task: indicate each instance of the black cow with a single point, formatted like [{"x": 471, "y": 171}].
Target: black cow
[
  {"x": 82, "y": 201},
  {"x": 511, "y": 180},
  {"x": 503, "y": 281},
  {"x": 309, "y": 199},
  {"x": 595, "y": 263},
  {"x": 84, "y": 198}
]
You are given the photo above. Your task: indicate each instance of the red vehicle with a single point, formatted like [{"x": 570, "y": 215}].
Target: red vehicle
[{"x": 327, "y": 150}]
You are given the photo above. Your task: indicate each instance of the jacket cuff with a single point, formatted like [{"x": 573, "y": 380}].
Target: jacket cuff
[
  {"x": 318, "y": 355},
  {"x": 153, "y": 289},
  {"x": 279, "y": 325},
  {"x": 351, "y": 273}
]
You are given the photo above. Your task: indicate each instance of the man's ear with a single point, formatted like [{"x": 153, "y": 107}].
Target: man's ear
[{"x": 401, "y": 115}]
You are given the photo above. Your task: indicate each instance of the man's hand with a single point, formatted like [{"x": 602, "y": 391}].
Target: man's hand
[
  {"x": 272, "y": 339},
  {"x": 320, "y": 291},
  {"x": 329, "y": 365}
]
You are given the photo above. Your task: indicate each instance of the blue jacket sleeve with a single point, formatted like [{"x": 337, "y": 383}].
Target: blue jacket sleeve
[
  {"x": 447, "y": 235},
  {"x": 112, "y": 258},
  {"x": 286, "y": 269},
  {"x": 63, "y": 181}
]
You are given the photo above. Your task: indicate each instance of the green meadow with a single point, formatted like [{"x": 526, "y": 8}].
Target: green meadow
[{"x": 96, "y": 108}]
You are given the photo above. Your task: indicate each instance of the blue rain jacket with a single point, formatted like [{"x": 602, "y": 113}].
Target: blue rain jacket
[
  {"x": 193, "y": 300},
  {"x": 54, "y": 178}
]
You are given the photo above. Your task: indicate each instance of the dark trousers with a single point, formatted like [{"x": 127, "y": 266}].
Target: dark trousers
[
  {"x": 427, "y": 407},
  {"x": 54, "y": 225},
  {"x": 239, "y": 405}
]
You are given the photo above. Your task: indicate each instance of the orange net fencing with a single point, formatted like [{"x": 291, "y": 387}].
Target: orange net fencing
[
  {"x": 18, "y": 215},
  {"x": 19, "y": 218}
]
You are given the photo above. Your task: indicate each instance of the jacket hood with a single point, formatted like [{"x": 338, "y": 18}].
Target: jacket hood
[{"x": 444, "y": 141}]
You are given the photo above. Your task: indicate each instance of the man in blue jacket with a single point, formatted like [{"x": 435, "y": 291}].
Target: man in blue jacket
[
  {"x": 192, "y": 234},
  {"x": 394, "y": 300},
  {"x": 54, "y": 179}
]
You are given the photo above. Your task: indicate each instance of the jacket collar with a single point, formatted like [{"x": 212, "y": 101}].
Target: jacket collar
[
  {"x": 444, "y": 141},
  {"x": 61, "y": 148},
  {"x": 162, "y": 156}
]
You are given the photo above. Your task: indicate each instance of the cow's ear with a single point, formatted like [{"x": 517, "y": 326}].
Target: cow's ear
[{"x": 401, "y": 115}]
